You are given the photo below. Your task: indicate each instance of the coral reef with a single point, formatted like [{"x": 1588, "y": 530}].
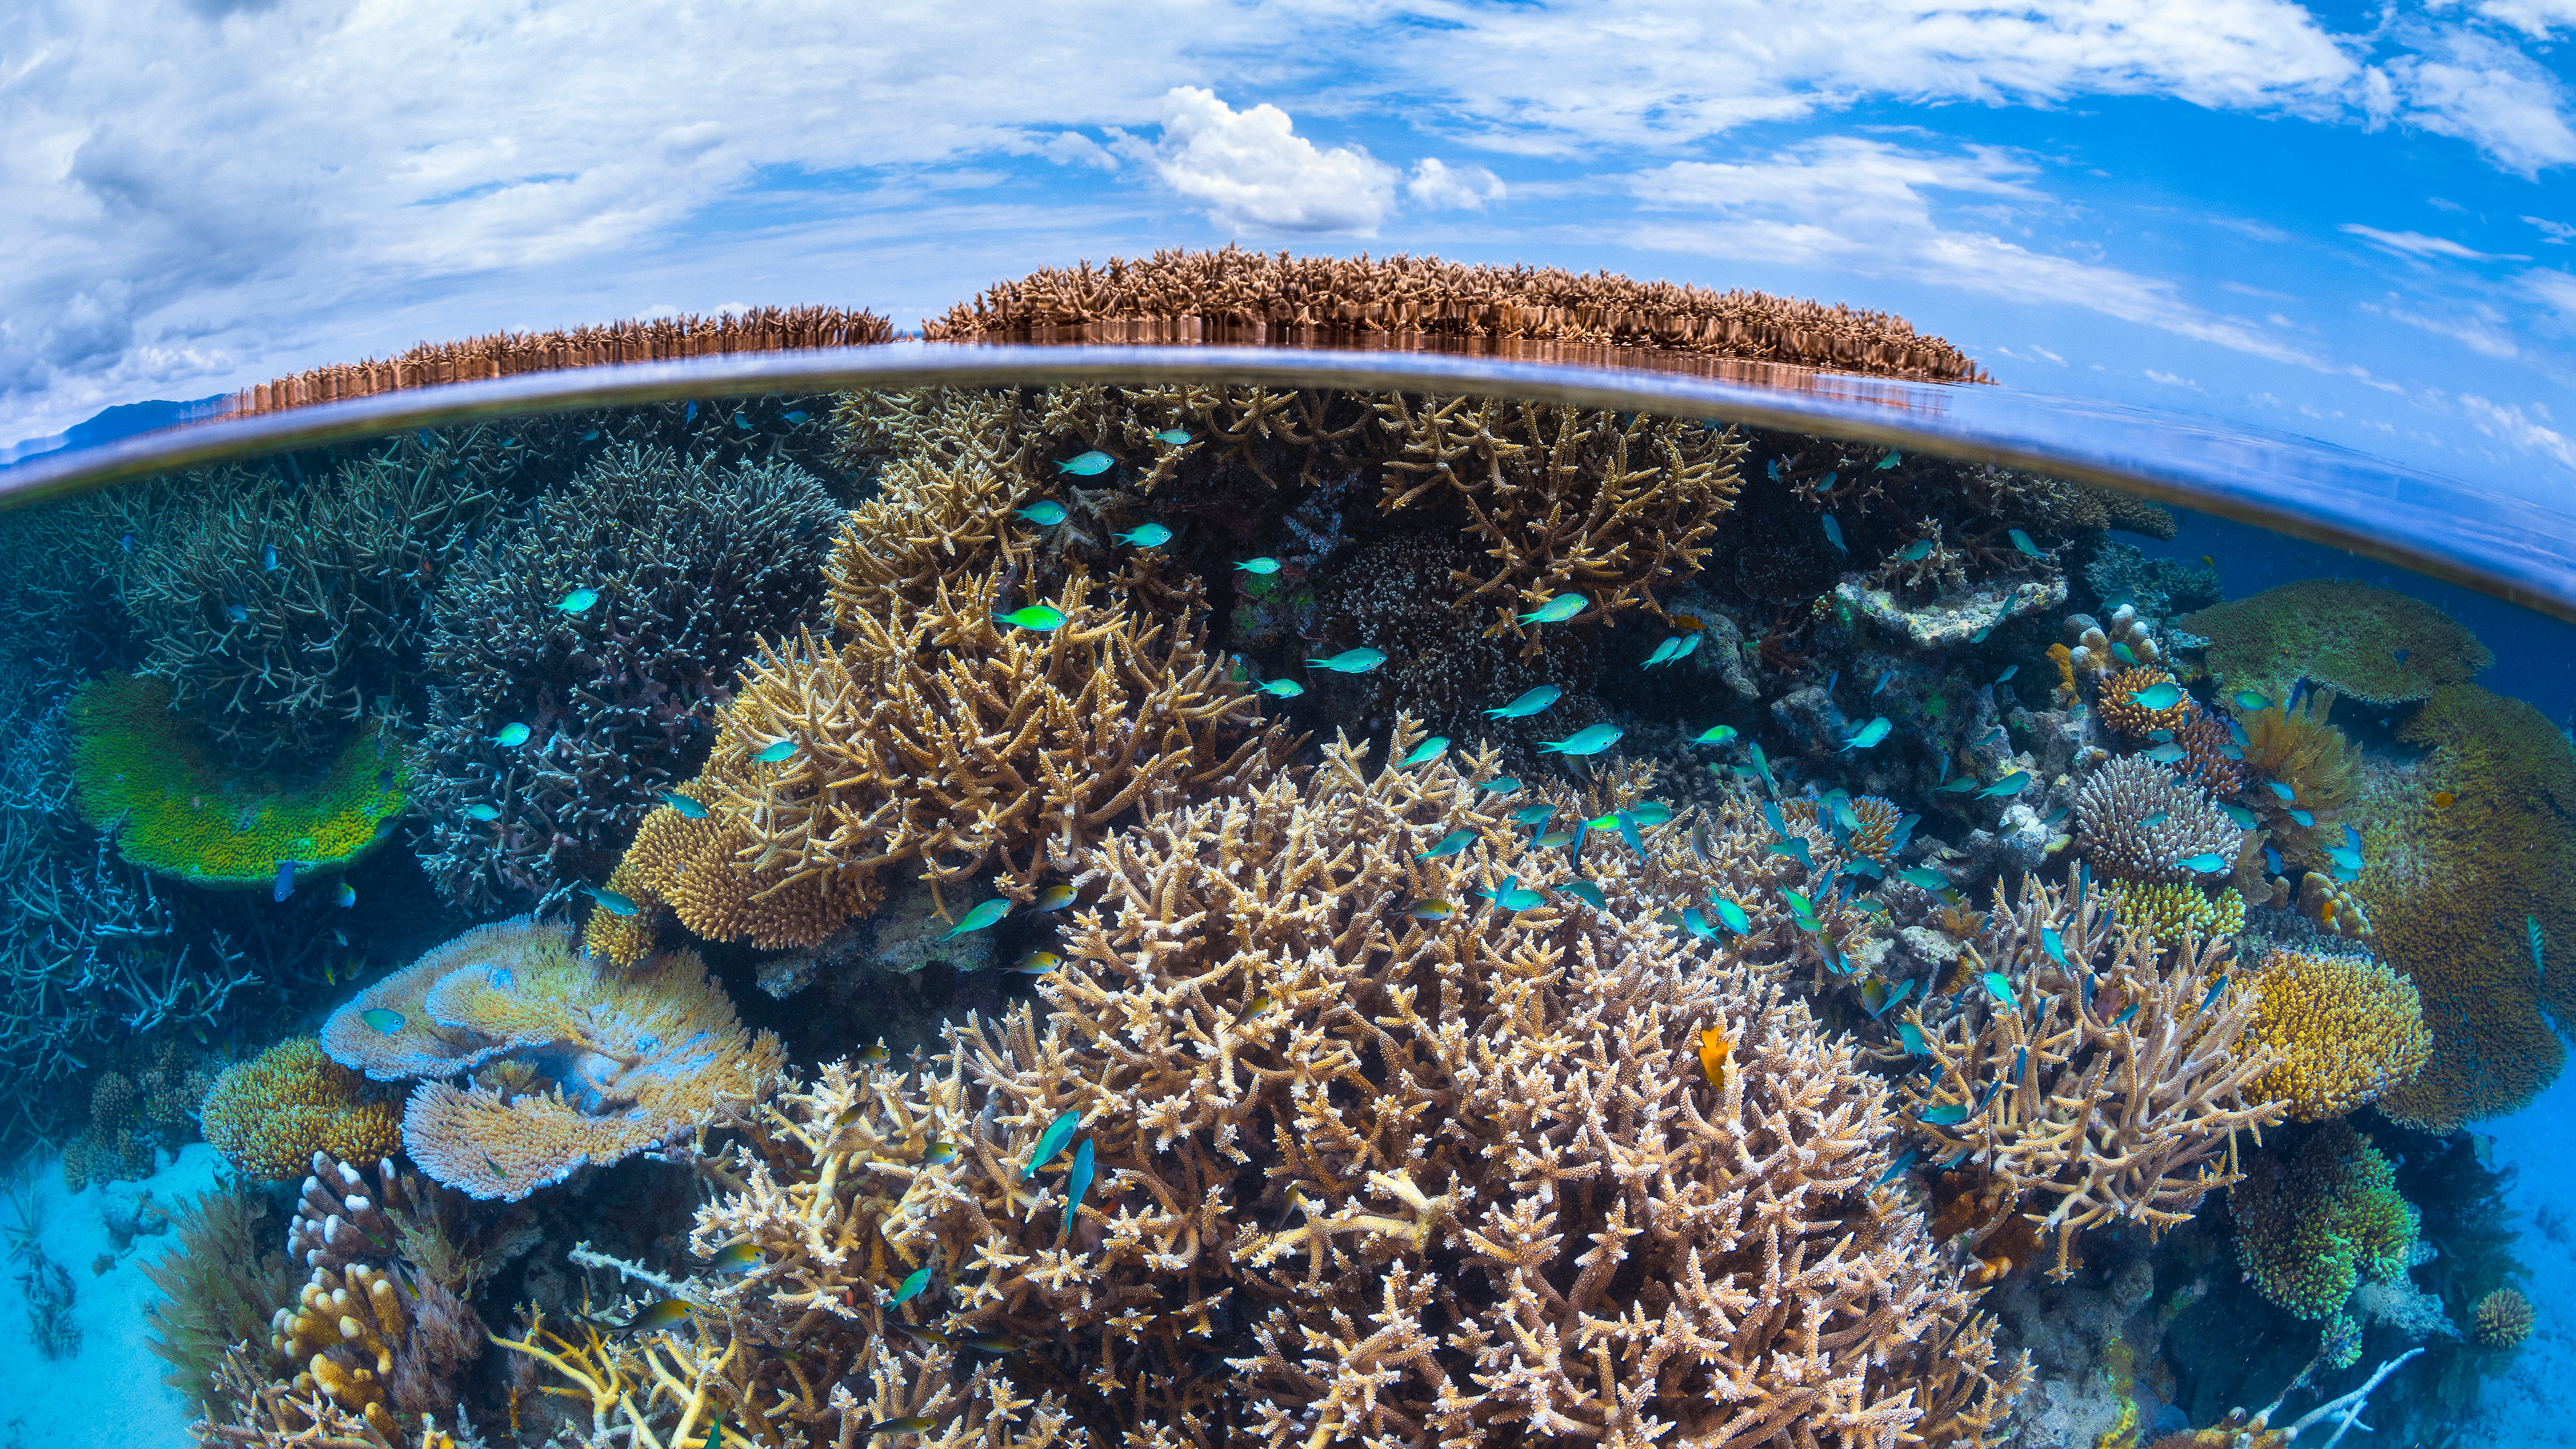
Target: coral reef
[
  {"x": 374, "y": 1341},
  {"x": 2312, "y": 1228},
  {"x": 508, "y": 354},
  {"x": 2169, "y": 911},
  {"x": 614, "y": 1061},
  {"x": 2455, "y": 894},
  {"x": 2502, "y": 1319},
  {"x": 142, "y": 775},
  {"x": 270, "y": 1115},
  {"x": 2109, "y": 1088},
  {"x": 692, "y": 564},
  {"x": 2297, "y": 747},
  {"x": 2369, "y": 644},
  {"x": 2343, "y": 1029},
  {"x": 2137, "y": 822},
  {"x": 220, "y": 1284},
  {"x": 1229, "y": 294}
]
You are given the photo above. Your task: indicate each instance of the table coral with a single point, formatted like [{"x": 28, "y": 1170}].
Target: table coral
[
  {"x": 2113, "y": 1086},
  {"x": 2345, "y": 1030},
  {"x": 2453, "y": 894},
  {"x": 2137, "y": 822},
  {"x": 2312, "y": 1228},
  {"x": 269, "y": 1115},
  {"x": 1273, "y": 1253},
  {"x": 2374, "y": 645},
  {"x": 142, "y": 773},
  {"x": 692, "y": 564}
]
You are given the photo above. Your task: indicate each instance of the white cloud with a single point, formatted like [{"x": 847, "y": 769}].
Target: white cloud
[
  {"x": 1252, "y": 171},
  {"x": 2554, "y": 290},
  {"x": 2559, "y": 233},
  {"x": 2508, "y": 422},
  {"x": 2417, "y": 244},
  {"x": 1437, "y": 184},
  {"x": 2535, "y": 18},
  {"x": 2481, "y": 330},
  {"x": 1867, "y": 207},
  {"x": 2473, "y": 86},
  {"x": 2171, "y": 380}
]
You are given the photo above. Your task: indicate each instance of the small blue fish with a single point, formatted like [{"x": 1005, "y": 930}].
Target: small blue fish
[
  {"x": 1499, "y": 785},
  {"x": 1916, "y": 552},
  {"x": 578, "y": 601},
  {"x": 2160, "y": 736},
  {"x": 912, "y": 1286},
  {"x": 2021, "y": 540},
  {"x": 2272, "y": 859},
  {"x": 1912, "y": 1036},
  {"x": 1795, "y": 847},
  {"x": 689, "y": 809},
  {"x": 610, "y": 901},
  {"x": 1949, "y": 1116},
  {"x": 127, "y": 543},
  {"x": 689, "y": 415},
  {"x": 382, "y": 1019},
  {"x": 2203, "y": 863},
  {"x": 2215, "y": 989},
  {"x": 1897, "y": 1168},
  {"x": 978, "y": 918},
  {"x": 1999, "y": 986},
  {"x": 2303, "y": 818},
  {"x": 1534, "y": 814},
  {"x": 1586, "y": 892},
  {"x": 1662, "y": 652},
  {"x": 1450, "y": 844},
  {"x": 1869, "y": 734},
  {"x": 1512, "y": 896},
  {"x": 2397, "y": 654},
  {"x": 1051, "y": 1142},
  {"x": 2009, "y": 785},
  {"x": 2167, "y": 753},
  {"x": 482, "y": 812},
  {"x": 2344, "y": 856},
  {"x": 1924, "y": 877},
  {"x": 1958, "y": 786},
  {"x": 1761, "y": 767},
  {"x": 1283, "y": 689},
  {"x": 1077, "y": 1185},
  {"x": 740, "y": 421},
  {"x": 1530, "y": 703},
  {"x": 1554, "y": 838},
  {"x": 1259, "y": 566},
  {"x": 1903, "y": 990},
  {"x": 2245, "y": 819},
  {"x": 2055, "y": 944},
  {"x": 237, "y": 613},
  {"x": 796, "y": 417},
  {"x": 2156, "y": 698},
  {"x": 1731, "y": 916},
  {"x": 2284, "y": 791},
  {"x": 285, "y": 881},
  {"x": 2352, "y": 836},
  {"x": 1557, "y": 610},
  {"x": 267, "y": 557},
  {"x": 1628, "y": 833},
  {"x": 1891, "y": 460},
  {"x": 348, "y": 895},
  {"x": 1350, "y": 661},
  {"x": 2537, "y": 964},
  {"x": 2246, "y": 699},
  {"x": 1144, "y": 535},
  {"x": 2123, "y": 1018},
  {"x": 1045, "y": 513},
  {"x": 1650, "y": 812},
  {"x": 1834, "y": 534},
  {"x": 1714, "y": 735},
  {"x": 1425, "y": 752},
  {"x": 1690, "y": 645},
  {"x": 2009, "y": 671},
  {"x": 1173, "y": 436},
  {"x": 1591, "y": 741},
  {"x": 1053, "y": 898},
  {"x": 2155, "y": 819},
  {"x": 1698, "y": 925},
  {"x": 772, "y": 754},
  {"x": 1087, "y": 465},
  {"x": 511, "y": 736}
]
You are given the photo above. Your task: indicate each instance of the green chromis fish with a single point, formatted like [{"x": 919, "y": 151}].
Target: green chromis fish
[
  {"x": 1517, "y": 897},
  {"x": 2167, "y": 753},
  {"x": 1891, "y": 460},
  {"x": 978, "y": 918},
  {"x": 1999, "y": 986},
  {"x": 1425, "y": 752},
  {"x": 2053, "y": 943},
  {"x": 1869, "y": 734},
  {"x": 1432, "y": 910},
  {"x": 1959, "y": 786},
  {"x": 1557, "y": 610},
  {"x": 2009, "y": 785},
  {"x": 1144, "y": 535},
  {"x": 1949, "y": 1116},
  {"x": 1173, "y": 436},
  {"x": 610, "y": 901},
  {"x": 2344, "y": 855},
  {"x": 689, "y": 809},
  {"x": 912, "y": 1286},
  {"x": 1649, "y": 812},
  {"x": 1591, "y": 741},
  {"x": 578, "y": 601},
  {"x": 2126, "y": 655},
  {"x": 908, "y": 1424},
  {"x": 1554, "y": 839},
  {"x": 2537, "y": 964},
  {"x": 1530, "y": 703},
  {"x": 1259, "y": 566},
  {"x": 736, "y": 1258},
  {"x": 511, "y": 736},
  {"x": 1834, "y": 534},
  {"x": 1534, "y": 814},
  {"x": 1037, "y": 963},
  {"x": 1053, "y": 898},
  {"x": 382, "y": 1019},
  {"x": 1693, "y": 922},
  {"x": 1350, "y": 661},
  {"x": 1499, "y": 785},
  {"x": 1283, "y": 689},
  {"x": 1795, "y": 847},
  {"x": 2021, "y": 540},
  {"x": 2156, "y": 819},
  {"x": 1925, "y": 877},
  {"x": 485, "y": 813},
  {"x": 1450, "y": 844},
  {"x": 2205, "y": 863},
  {"x": 1897, "y": 1168},
  {"x": 2285, "y": 792},
  {"x": 1087, "y": 465},
  {"x": 1036, "y": 618},
  {"x": 1045, "y": 513},
  {"x": 1731, "y": 916},
  {"x": 2157, "y": 698},
  {"x": 1586, "y": 892},
  {"x": 1662, "y": 652},
  {"x": 1690, "y": 645},
  {"x": 2245, "y": 819},
  {"x": 773, "y": 754},
  {"x": 1912, "y": 1035},
  {"x": 1077, "y": 1184},
  {"x": 939, "y": 1154},
  {"x": 1714, "y": 735},
  {"x": 2249, "y": 701},
  {"x": 1051, "y": 1142},
  {"x": 1916, "y": 552}
]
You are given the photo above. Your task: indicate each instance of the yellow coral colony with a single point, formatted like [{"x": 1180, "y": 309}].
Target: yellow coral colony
[
  {"x": 2344, "y": 1029},
  {"x": 272, "y": 1113}
]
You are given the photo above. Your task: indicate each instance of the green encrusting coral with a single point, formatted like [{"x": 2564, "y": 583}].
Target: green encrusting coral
[
  {"x": 2311, "y": 1230},
  {"x": 142, "y": 771}
]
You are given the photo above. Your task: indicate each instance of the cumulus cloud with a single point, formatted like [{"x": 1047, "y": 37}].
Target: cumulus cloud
[
  {"x": 2535, "y": 18},
  {"x": 1868, "y": 207},
  {"x": 2473, "y": 86},
  {"x": 1435, "y": 183},
  {"x": 2417, "y": 244},
  {"x": 2528, "y": 430},
  {"x": 1251, "y": 170}
]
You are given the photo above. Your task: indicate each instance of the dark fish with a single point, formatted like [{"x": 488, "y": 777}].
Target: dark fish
[
  {"x": 285, "y": 881},
  {"x": 909, "y": 1424}
]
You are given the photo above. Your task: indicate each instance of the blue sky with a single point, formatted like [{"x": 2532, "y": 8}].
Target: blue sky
[{"x": 2355, "y": 224}]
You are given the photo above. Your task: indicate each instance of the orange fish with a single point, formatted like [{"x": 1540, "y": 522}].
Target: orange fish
[
  {"x": 1713, "y": 1047},
  {"x": 2442, "y": 799},
  {"x": 1687, "y": 621},
  {"x": 2206, "y": 559}
]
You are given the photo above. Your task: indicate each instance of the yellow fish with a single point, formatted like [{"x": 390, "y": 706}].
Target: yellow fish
[
  {"x": 1713, "y": 1047},
  {"x": 2211, "y": 562},
  {"x": 659, "y": 1315}
]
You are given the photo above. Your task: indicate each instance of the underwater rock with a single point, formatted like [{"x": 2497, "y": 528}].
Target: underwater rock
[
  {"x": 1952, "y": 620},
  {"x": 2119, "y": 573}
]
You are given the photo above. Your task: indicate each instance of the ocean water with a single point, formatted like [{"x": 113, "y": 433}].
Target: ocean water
[{"x": 1193, "y": 911}]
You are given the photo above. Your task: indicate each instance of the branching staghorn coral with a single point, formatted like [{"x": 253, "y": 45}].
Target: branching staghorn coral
[
  {"x": 1567, "y": 500},
  {"x": 2137, "y": 822},
  {"x": 941, "y": 737},
  {"x": 691, "y": 566},
  {"x": 287, "y": 615},
  {"x": 2112, "y": 1086}
]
